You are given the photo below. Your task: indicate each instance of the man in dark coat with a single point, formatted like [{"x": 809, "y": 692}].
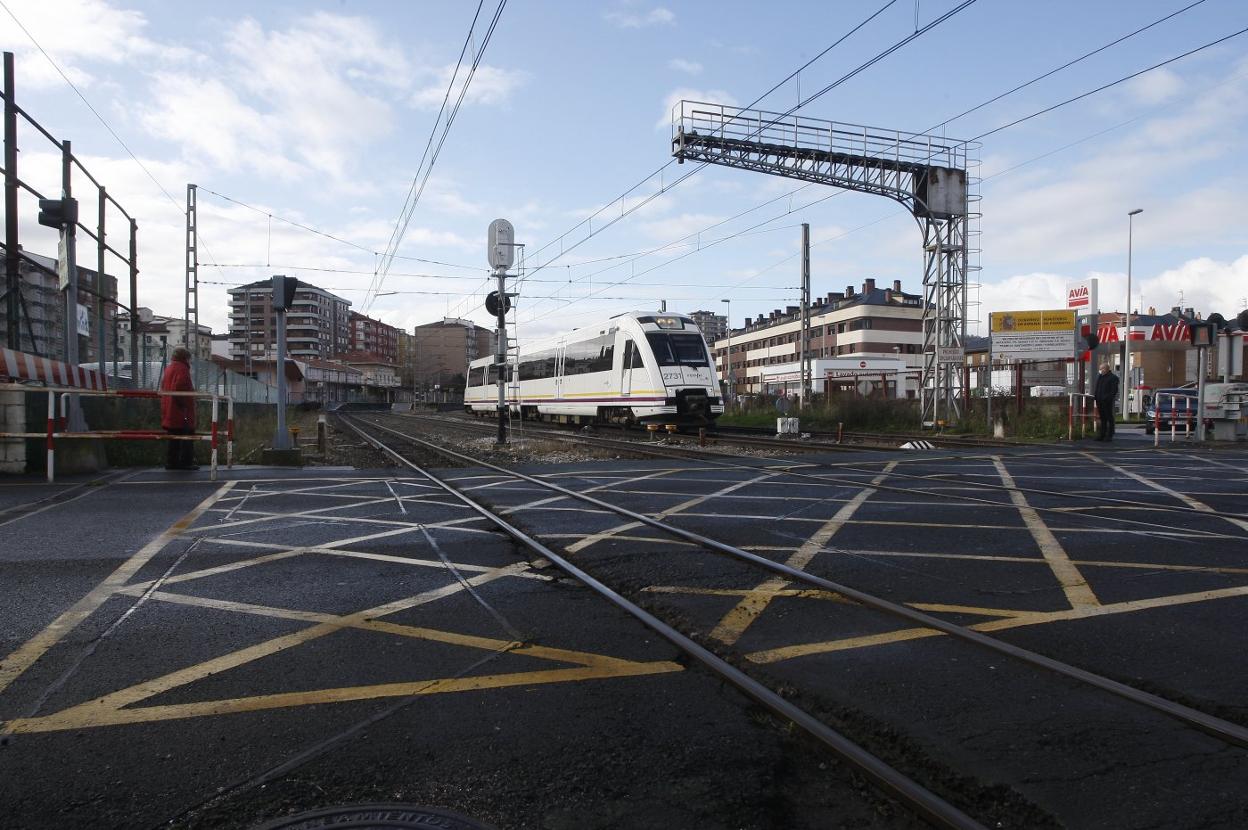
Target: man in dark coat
[
  {"x": 1106, "y": 394},
  {"x": 177, "y": 412}
]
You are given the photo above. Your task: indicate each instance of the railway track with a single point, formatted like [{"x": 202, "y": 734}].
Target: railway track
[
  {"x": 804, "y": 467},
  {"x": 918, "y": 798}
]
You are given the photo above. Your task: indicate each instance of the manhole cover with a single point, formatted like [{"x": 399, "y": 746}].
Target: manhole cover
[{"x": 378, "y": 816}]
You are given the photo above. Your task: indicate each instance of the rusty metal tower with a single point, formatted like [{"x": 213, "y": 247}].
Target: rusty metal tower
[{"x": 932, "y": 177}]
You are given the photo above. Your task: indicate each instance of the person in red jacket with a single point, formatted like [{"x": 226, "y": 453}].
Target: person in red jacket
[{"x": 177, "y": 412}]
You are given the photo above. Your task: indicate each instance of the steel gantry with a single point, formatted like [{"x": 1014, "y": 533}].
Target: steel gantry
[{"x": 931, "y": 176}]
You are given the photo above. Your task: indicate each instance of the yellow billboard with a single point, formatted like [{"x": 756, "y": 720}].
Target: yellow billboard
[{"x": 1028, "y": 321}]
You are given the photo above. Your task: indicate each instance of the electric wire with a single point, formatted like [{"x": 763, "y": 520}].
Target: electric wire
[
  {"x": 664, "y": 189},
  {"x": 410, "y": 209},
  {"x": 1014, "y": 123},
  {"x": 94, "y": 111}
]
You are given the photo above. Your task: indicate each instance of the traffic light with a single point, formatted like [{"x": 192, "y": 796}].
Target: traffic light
[
  {"x": 284, "y": 292},
  {"x": 58, "y": 213},
  {"x": 1202, "y": 333},
  {"x": 491, "y": 303}
]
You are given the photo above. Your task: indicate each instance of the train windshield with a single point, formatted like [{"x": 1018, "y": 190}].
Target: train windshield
[{"x": 678, "y": 349}]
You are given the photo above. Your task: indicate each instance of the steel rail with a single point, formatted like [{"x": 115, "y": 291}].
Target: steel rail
[
  {"x": 1222, "y": 729},
  {"x": 1167, "y": 508},
  {"x": 792, "y": 469},
  {"x": 929, "y": 805}
]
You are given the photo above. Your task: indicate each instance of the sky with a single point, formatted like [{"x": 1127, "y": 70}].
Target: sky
[{"x": 318, "y": 114}]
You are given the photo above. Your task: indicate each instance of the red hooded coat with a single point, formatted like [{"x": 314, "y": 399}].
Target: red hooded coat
[{"x": 177, "y": 412}]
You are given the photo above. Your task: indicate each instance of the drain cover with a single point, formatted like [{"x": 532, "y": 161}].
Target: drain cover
[{"x": 375, "y": 817}]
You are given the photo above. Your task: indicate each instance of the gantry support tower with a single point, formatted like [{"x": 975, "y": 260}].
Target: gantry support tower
[{"x": 927, "y": 174}]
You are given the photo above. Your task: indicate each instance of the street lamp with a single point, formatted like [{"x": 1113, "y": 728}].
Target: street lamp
[
  {"x": 1126, "y": 340},
  {"x": 728, "y": 361}
]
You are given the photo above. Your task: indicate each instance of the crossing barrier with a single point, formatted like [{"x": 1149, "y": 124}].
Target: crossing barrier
[
  {"x": 1085, "y": 409},
  {"x": 58, "y": 427},
  {"x": 1189, "y": 416}
]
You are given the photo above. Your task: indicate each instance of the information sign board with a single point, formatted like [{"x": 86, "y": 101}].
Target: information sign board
[{"x": 1033, "y": 335}]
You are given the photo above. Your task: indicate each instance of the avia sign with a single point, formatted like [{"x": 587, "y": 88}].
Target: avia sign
[
  {"x": 1081, "y": 296},
  {"x": 1157, "y": 333}
]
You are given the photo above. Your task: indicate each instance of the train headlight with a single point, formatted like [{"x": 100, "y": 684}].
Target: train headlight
[{"x": 669, "y": 322}]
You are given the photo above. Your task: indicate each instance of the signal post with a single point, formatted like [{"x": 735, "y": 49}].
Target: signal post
[{"x": 501, "y": 252}]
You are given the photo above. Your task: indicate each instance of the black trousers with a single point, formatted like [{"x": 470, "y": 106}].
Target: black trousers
[
  {"x": 179, "y": 454},
  {"x": 1105, "y": 410}
]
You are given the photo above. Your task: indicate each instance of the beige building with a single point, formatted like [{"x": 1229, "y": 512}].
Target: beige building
[
  {"x": 159, "y": 335},
  {"x": 441, "y": 353},
  {"x": 317, "y": 324},
  {"x": 873, "y": 323}
]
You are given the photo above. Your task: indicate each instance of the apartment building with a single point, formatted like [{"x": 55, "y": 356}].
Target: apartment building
[
  {"x": 318, "y": 324},
  {"x": 42, "y": 311},
  {"x": 441, "y": 352},
  {"x": 159, "y": 335},
  {"x": 374, "y": 337},
  {"x": 713, "y": 326},
  {"x": 874, "y": 330}
]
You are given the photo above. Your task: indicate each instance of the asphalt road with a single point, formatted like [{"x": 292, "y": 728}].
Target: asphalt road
[{"x": 217, "y": 654}]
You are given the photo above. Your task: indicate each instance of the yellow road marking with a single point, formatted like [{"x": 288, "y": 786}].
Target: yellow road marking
[
  {"x": 595, "y": 538},
  {"x": 1073, "y": 583},
  {"x": 1195, "y": 504},
  {"x": 832, "y": 596},
  {"x": 1036, "y": 618},
  {"x": 110, "y": 709},
  {"x": 30, "y": 651},
  {"x": 743, "y": 615},
  {"x": 1031, "y": 560}
]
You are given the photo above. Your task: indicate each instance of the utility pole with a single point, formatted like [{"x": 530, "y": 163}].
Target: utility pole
[
  {"x": 13, "y": 281},
  {"x": 1126, "y": 340},
  {"x": 805, "y": 316}
]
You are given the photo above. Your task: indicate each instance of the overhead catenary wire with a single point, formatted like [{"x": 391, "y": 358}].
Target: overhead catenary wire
[
  {"x": 410, "y": 208},
  {"x": 1017, "y": 121},
  {"x": 622, "y": 198},
  {"x": 625, "y": 212}
]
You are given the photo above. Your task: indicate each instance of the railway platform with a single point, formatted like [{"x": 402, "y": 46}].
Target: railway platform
[{"x": 197, "y": 653}]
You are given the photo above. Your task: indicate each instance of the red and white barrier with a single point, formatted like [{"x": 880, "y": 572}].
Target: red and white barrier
[
  {"x": 53, "y": 432},
  {"x": 21, "y": 366},
  {"x": 1081, "y": 411},
  {"x": 1188, "y": 416}
]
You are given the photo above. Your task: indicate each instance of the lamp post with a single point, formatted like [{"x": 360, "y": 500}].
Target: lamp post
[
  {"x": 1126, "y": 340},
  {"x": 728, "y": 360}
]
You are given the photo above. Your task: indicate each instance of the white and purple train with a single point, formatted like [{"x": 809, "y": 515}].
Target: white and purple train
[{"x": 639, "y": 367}]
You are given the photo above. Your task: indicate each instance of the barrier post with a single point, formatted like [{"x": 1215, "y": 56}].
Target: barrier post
[
  {"x": 1187, "y": 417},
  {"x": 229, "y": 433},
  {"x": 212, "y": 475},
  {"x": 51, "y": 429},
  {"x": 1070, "y": 418},
  {"x": 1083, "y": 416}
]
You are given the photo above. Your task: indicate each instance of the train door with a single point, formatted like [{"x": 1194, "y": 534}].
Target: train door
[
  {"x": 560, "y": 351},
  {"x": 626, "y": 367}
]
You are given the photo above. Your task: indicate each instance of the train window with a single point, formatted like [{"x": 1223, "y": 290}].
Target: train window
[
  {"x": 476, "y": 377},
  {"x": 595, "y": 355},
  {"x": 492, "y": 378},
  {"x": 632, "y": 355},
  {"x": 678, "y": 349}
]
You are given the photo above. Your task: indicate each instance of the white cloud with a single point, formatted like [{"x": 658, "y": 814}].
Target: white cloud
[
  {"x": 711, "y": 96},
  {"x": 682, "y": 65},
  {"x": 1204, "y": 284},
  {"x": 284, "y": 102},
  {"x": 1155, "y": 87},
  {"x": 658, "y": 16},
  {"x": 490, "y": 85},
  {"x": 99, "y": 34}
]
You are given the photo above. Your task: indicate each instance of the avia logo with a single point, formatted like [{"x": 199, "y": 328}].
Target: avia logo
[
  {"x": 1171, "y": 331},
  {"x": 1078, "y": 297}
]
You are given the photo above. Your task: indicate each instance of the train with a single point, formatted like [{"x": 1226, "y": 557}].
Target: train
[{"x": 637, "y": 367}]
